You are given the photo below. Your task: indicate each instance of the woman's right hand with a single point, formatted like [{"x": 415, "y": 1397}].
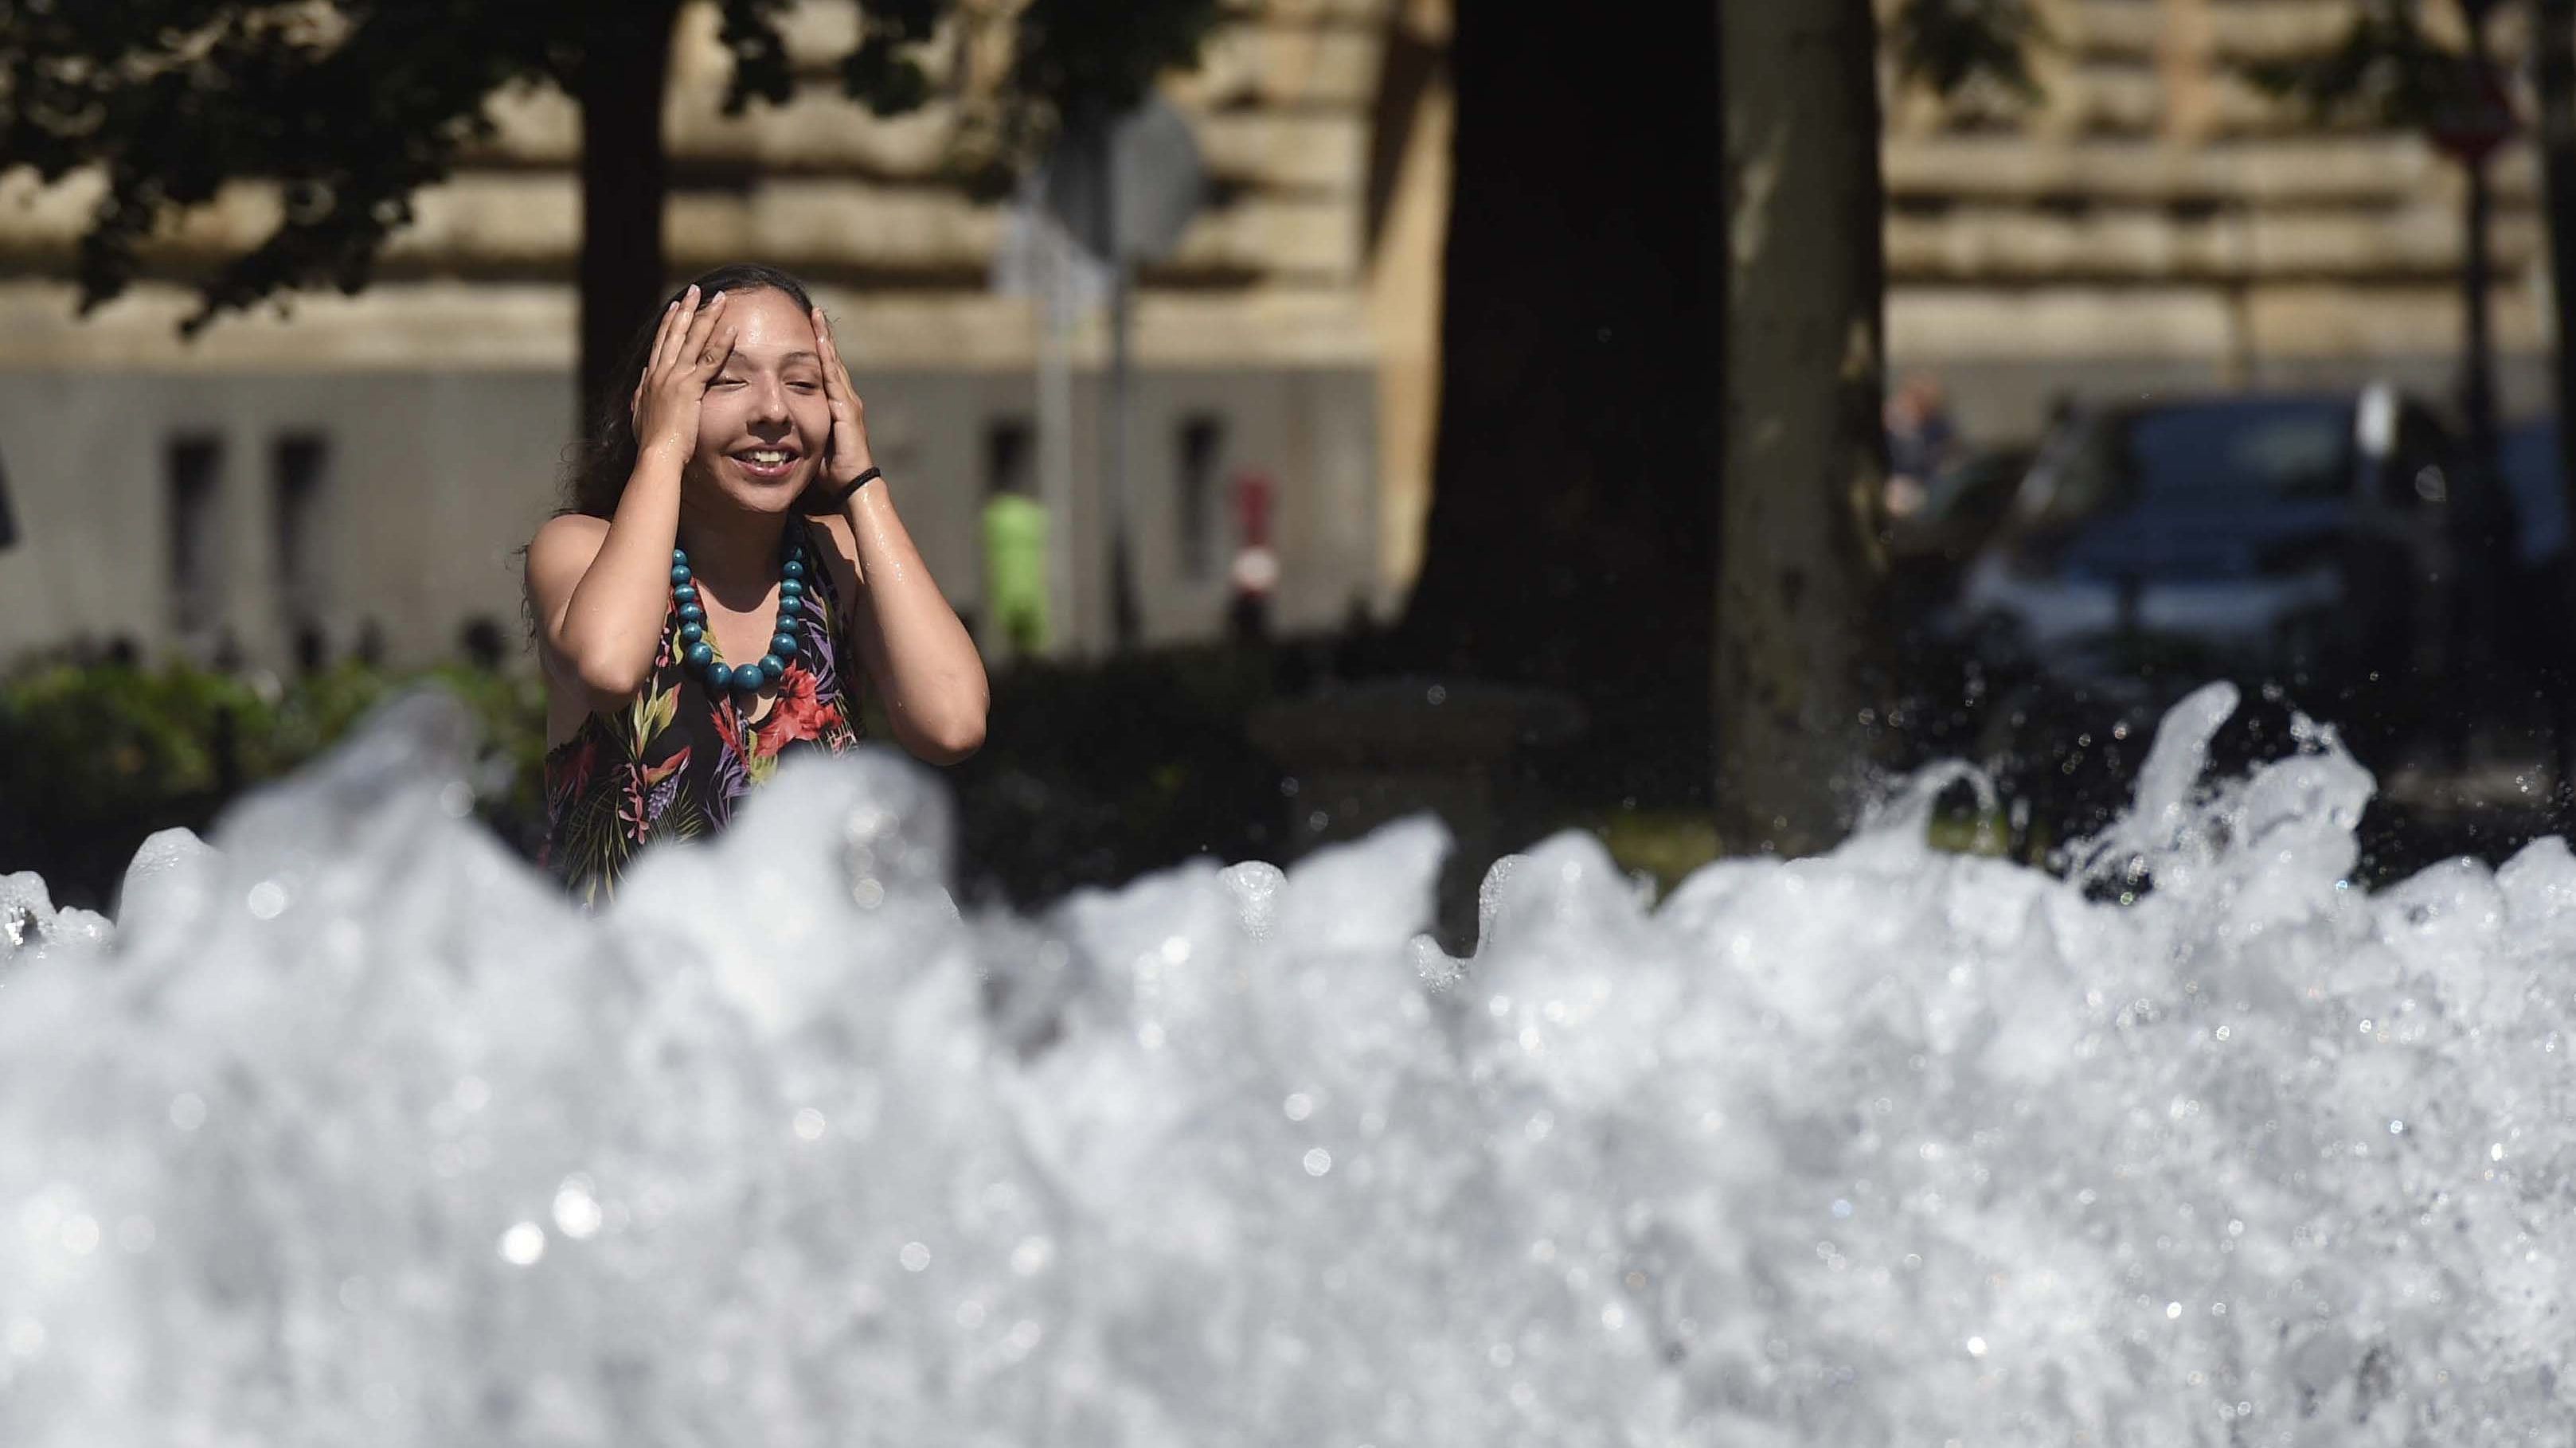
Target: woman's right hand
[{"x": 687, "y": 352}]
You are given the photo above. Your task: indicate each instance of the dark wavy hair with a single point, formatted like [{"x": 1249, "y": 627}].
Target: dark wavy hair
[{"x": 596, "y": 480}]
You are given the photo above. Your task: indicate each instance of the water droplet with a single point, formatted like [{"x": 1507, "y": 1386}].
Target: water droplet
[
  {"x": 523, "y": 1244},
  {"x": 1318, "y": 1162},
  {"x": 26, "y": 1337},
  {"x": 914, "y": 1256},
  {"x": 577, "y": 1213}
]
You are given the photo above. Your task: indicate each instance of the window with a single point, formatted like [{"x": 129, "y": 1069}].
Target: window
[
  {"x": 296, "y": 475},
  {"x": 1202, "y": 449},
  {"x": 194, "y": 472},
  {"x": 1010, "y": 453}
]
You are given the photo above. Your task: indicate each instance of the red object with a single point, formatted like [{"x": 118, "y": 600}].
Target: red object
[
  {"x": 2484, "y": 120},
  {"x": 1252, "y": 498}
]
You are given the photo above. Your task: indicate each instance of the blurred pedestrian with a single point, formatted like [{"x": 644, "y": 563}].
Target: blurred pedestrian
[
  {"x": 1015, "y": 567},
  {"x": 8, "y": 524},
  {"x": 727, "y": 570},
  {"x": 1254, "y": 572},
  {"x": 1921, "y": 444}
]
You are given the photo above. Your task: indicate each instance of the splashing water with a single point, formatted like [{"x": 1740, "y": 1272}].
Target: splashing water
[{"x": 349, "y": 1130}]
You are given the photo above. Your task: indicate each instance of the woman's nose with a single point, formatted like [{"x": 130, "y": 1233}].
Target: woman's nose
[{"x": 769, "y": 401}]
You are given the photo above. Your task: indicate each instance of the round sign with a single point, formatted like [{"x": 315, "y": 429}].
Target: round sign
[
  {"x": 2481, "y": 121},
  {"x": 1137, "y": 208}
]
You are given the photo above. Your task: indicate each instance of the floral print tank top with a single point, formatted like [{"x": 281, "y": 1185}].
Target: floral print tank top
[{"x": 675, "y": 759}]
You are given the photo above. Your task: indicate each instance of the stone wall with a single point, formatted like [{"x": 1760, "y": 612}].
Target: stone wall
[
  {"x": 1293, "y": 316},
  {"x": 2157, "y": 222}
]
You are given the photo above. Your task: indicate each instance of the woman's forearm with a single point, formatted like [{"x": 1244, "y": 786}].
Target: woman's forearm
[
  {"x": 935, "y": 691},
  {"x": 613, "y": 624}
]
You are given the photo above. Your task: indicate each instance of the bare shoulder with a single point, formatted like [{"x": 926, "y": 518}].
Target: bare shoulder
[
  {"x": 562, "y": 552},
  {"x": 567, "y": 538}
]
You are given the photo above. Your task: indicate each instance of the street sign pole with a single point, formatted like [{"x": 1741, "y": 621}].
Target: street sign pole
[
  {"x": 1127, "y": 186},
  {"x": 1055, "y": 269},
  {"x": 1126, "y": 616},
  {"x": 2482, "y": 123}
]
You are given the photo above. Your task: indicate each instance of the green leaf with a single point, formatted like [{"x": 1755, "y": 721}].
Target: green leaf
[
  {"x": 352, "y": 106},
  {"x": 1950, "y": 46},
  {"x": 760, "y": 66},
  {"x": 2386, "y": 71}
]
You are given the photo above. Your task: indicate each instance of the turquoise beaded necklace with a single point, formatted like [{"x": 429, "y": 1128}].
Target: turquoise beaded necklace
[{"x": 698, "y": 647}]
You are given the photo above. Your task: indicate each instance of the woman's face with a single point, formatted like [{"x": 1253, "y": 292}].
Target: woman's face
[{"x": 764, "y": 422}]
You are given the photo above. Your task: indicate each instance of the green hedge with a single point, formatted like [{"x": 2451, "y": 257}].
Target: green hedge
[
  {"x": 1090, "y": 775},
  {"x": 1094, "y": 774},
  {"x": 94, "y": 757}
]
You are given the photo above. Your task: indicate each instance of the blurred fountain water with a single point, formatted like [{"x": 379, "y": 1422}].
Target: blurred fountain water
[{"x": 350, "y": 1131}]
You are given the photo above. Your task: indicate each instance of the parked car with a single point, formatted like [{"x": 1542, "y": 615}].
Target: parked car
[
  {"x": 2300, "y": 539},
  {"x": 2337, "y": 546}
]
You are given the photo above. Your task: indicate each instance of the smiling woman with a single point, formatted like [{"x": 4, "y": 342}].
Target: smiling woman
[{"x": 726, "y": 574}]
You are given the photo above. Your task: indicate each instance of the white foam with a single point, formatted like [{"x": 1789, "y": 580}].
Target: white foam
[{"x": 354, "y": 1132}]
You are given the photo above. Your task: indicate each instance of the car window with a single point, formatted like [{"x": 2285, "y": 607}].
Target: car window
[
  {"x": 2531, "y": 471},
  {"x": 2077, "y": 476},
  {"x": 1979, "y": 489},
  {"x": 2274, "y": 451}
]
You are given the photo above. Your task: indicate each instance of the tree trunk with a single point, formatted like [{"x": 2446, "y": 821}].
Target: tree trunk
[
  {"x": 1799, "y": 672},
  {"x": 2554, "y": 74},
  {"x": 625, "y": 174},
  {"x": 1571, "y": 541}
]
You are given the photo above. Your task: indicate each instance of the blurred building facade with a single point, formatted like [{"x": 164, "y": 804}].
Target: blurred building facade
[
  {"x": 357, "y": 473},
  {"x": 2157, "y": 223}
]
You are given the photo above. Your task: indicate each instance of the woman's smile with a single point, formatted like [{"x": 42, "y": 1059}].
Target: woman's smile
[{"x": 768, "y": 462}]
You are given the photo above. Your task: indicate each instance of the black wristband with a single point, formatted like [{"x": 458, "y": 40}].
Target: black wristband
[{"x": 842, "y": 498}]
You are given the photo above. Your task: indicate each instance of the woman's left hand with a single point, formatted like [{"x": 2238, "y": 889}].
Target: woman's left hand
[{"x": 845, "y": 456}]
